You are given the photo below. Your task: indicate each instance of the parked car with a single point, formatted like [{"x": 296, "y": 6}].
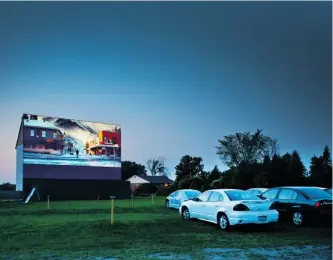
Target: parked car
[
  {"x": 229, "y": 207},
  {"x": 256, "y": 191},
  {"x": 329, "y": 190},
  {"x": 300, "y": 204},
  {"x": 176, "y": 198}
]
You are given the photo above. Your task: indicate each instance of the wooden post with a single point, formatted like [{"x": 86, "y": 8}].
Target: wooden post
[
  {"x": 112, "y": 206},
  {"x": 152, "y": 199},
  {"x": 132, "y": 202},
  {"x": 48, "y": 201}
]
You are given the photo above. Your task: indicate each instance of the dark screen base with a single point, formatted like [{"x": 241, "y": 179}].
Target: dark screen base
[{"x": 77, "y": 189}]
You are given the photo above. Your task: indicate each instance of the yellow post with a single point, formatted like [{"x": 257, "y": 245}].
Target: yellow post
[
  {"x": 48, "y": 201},
  {"x": 112, "y": 211},
  {"x": 152, "y": 199}
]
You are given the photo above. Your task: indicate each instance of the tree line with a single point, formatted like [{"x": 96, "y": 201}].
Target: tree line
[{"x": 253, "y": 160}]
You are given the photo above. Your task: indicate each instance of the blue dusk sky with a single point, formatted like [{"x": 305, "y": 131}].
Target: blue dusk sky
[{"x": 176, "y": 75}]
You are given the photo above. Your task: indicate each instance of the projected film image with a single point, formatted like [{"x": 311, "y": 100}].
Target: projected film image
[{"x": 61, "y": 141}]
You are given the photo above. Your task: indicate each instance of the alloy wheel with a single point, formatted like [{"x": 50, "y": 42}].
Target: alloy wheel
[
  {"x": 186, "y": 214},
  {"x": 298, "y": 218},
  {"x": 223, "y": 222}
]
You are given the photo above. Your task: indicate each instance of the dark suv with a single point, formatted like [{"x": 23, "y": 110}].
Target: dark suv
[{"x": 300, "y": 204}]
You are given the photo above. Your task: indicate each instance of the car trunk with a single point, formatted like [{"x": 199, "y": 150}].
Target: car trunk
[
  {"x": 257, "y": 205},
  {"x": 325, "y": 205}
]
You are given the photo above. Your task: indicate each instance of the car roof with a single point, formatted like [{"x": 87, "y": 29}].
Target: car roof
[
  {"x": 300, "y": 187},
  {"x": 221, "y": 190},
  {"x": 258, "y": 189},
  {"x": 188, "y": 190}
]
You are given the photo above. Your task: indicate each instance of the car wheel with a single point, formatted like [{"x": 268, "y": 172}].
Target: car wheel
[
  {"x": 186, "y": 214},
  {"x": 223, "y": 222},
  {"x": 167, "y": 204},
  {"x": 298, "y": 219}
]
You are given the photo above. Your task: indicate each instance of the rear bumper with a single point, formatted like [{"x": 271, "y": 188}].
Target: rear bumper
[{"x": 241, "y": 218}]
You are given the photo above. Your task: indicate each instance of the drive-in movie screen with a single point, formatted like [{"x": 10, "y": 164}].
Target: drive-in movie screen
[{"x": 61, "y": 141}]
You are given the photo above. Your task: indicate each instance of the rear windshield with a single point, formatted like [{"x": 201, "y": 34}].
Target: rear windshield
[
  {"x": 192, "y": 193},
  {"x": 316, "y": 193},
  {"x": 240, "y": 195}
]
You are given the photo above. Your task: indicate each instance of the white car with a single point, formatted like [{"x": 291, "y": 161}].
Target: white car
[
  {"x": 176, "y": 198},
  {"x": 229, "y": 207}
]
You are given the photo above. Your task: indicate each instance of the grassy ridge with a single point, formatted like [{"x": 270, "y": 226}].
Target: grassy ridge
[{"x": 82, "y": 229}]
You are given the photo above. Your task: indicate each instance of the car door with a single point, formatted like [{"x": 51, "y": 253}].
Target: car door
[
  {"x": 213, "y": 203},
  {"x": 178, "y": 198},
  {"x": 198, "y": 205},
  {"x": 284, "y": 200},
  {"x": 172, "y": 199}
]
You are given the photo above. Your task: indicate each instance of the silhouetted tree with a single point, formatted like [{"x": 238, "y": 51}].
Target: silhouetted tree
[
  {"x": 7, "y": 186},
  {"x": 238, "y": 148},
  {"x": 128, "y": 169},
  {"x": 188, "y": 169},
  {"x": 215, "y": 174},
  {"x": 321, "y": 169},
  {"x": 156, "y": 166},
  {"x": 297, "y": 174}
]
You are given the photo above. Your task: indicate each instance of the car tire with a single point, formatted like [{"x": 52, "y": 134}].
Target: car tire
[
  {"x": 186, "y": 214},
  {"x": 167, "y": 205},
  {"x": 223, "y": 222},
  {"x": 298, "y": 218}
]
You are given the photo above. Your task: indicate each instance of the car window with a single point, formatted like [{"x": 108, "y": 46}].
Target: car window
[
  {"x": 235, "y": 195},
  {"x": 192, "y": 194},
  {"x": 256, "y": 192},
  {"x": 316, "y": 193},
  {"x": 216, "y": 196},
  {"x": 204, "y": 196},
  {"x": 300, "y": 197},
  {"x": 174, "y": 194},
  {"x": 286, "y": 194},
  {"x": 270, "y": 194},
  {"x": 295, "y": 196}
]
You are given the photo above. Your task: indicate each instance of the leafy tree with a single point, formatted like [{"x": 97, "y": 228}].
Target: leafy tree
[
  {"x": 189, "y": 169},
  {"x": 7, "y": 186},
  {"x": 286, "y": 170},
  {"x": 327, "y": 166},
  {"x": 215, "y": 174},
  {"x": 321, "y": 169},
  {"x": 156, "y": 166},
  {"x": 238, "y": 148},
  {"x": 275, "y": 170},
  {"x": 128, "y": 169},
  {"x": 297, "y": 174}
]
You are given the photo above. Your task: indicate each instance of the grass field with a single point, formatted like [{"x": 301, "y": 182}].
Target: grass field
[{"x": 82, "y": 230}]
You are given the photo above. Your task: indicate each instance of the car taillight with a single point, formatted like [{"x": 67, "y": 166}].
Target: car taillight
[
  {"x": 273, "y": 206},
  {"x": 317, "y": 205},
  {"x": 241, "y": 207}
]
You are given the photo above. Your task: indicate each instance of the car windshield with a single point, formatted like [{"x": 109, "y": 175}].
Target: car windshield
[
  {"x": 316, "y": 193},
  {"x": 192, "y": 193},
  {"x": 240, "y": 195}
]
